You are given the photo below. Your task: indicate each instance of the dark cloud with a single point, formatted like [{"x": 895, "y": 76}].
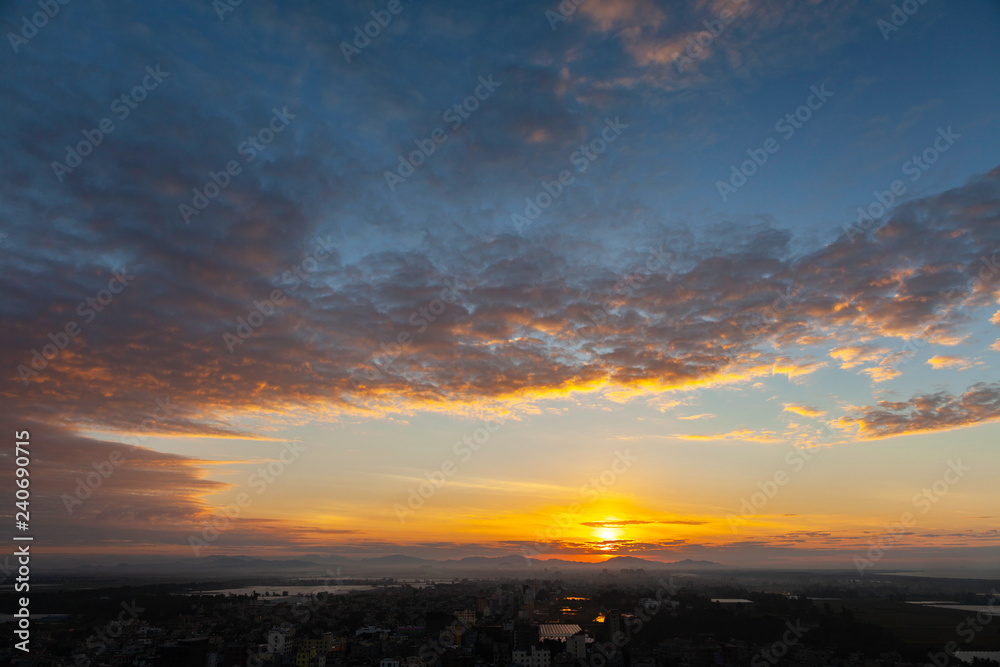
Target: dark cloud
[
  {"x": 88, "y": 492},
  {"x": 927, "y": 413},
  {"x": 504, "y": 317}
]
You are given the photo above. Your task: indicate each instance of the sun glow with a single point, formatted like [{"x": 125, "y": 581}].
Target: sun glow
[{"x": 609, "y": 532}]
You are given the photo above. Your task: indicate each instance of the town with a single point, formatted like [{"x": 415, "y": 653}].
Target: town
[{"x": 622, "y": 618}]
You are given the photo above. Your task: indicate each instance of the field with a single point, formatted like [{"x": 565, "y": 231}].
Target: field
[{"x": 930, "y": 627}]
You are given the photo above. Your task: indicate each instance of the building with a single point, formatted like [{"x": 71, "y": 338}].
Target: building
[
  {"x": 182, "y": 652},
  {"x": 466, "y": 617},
  {"x": 559, "y": 632},
  {"x": 322, "y": 645},
  {"x": 537, "y": 657},
  {"x": 526, "y": 635},
  {"x": 614, "y": 622},
  {"x": 576, "y": 646}
]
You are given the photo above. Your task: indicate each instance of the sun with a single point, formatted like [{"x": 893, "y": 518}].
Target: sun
[{"x": 608, "y": 532}]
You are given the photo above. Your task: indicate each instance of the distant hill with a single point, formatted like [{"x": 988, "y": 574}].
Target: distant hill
[
  {"x": 476, "y": 563},
  {"x": 253, "y": 563},
  {"x": 397, "y": 560},
  {"x": 316, "y": 564},
  {"x": 326, "y": 558},
  {"x": 688, "y": 563},
  {"x": 630, "y": 561},
  {"x": 488, "y": 561}
]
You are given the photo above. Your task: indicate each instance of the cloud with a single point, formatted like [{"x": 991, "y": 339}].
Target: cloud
[
  {"x": 804, "y": 410},
  {"x": 615, "y": 14},
  {"x": 927, "y": 413},
  {"x": 882, "y": 373},
  {"x": 94, "y": 494},
  {"x": 741, "y": 434},
  {"x": 887, "y": 366},
  {"x": 939, "y": 361},
  {"x": 520, "y": 320},
  {"x": 705, "y": 415},
  {"x": 485, "y": 315},
  {"x": 850, "y": 356}
]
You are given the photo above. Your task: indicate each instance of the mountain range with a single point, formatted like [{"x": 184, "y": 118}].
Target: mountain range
[{"x": 392, "y": 565}]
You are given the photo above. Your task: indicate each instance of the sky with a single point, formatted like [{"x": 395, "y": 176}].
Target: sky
[{"x": 712, "y": 280}]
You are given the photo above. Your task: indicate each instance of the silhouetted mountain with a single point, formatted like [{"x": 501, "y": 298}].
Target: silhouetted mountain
[
  {"x": 494, "y": 561},
  {"x": 319, "y": 565},
  {"x": 398, "y": 560},
  {"x": 252, "y": 562},
  {"x": 326, "y": 558},
  {"x": 687, "y": 562},
  {"x": 630, "y": 561}
]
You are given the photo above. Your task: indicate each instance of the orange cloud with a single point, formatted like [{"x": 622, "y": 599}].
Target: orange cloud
[
  {"x": 850, "y": 356},
  {"x": 938, "y": 362},
  {"x": 743, "y": 434},
  {"x": 612, "y": 14},
  {"x": 804, "y": 410},
  {"x": 882, "y": 373}
]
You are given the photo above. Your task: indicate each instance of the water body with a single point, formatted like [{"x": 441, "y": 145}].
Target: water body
[
  {"x": 991, "y": 609},
  {"x": 948, "y": 574}
]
